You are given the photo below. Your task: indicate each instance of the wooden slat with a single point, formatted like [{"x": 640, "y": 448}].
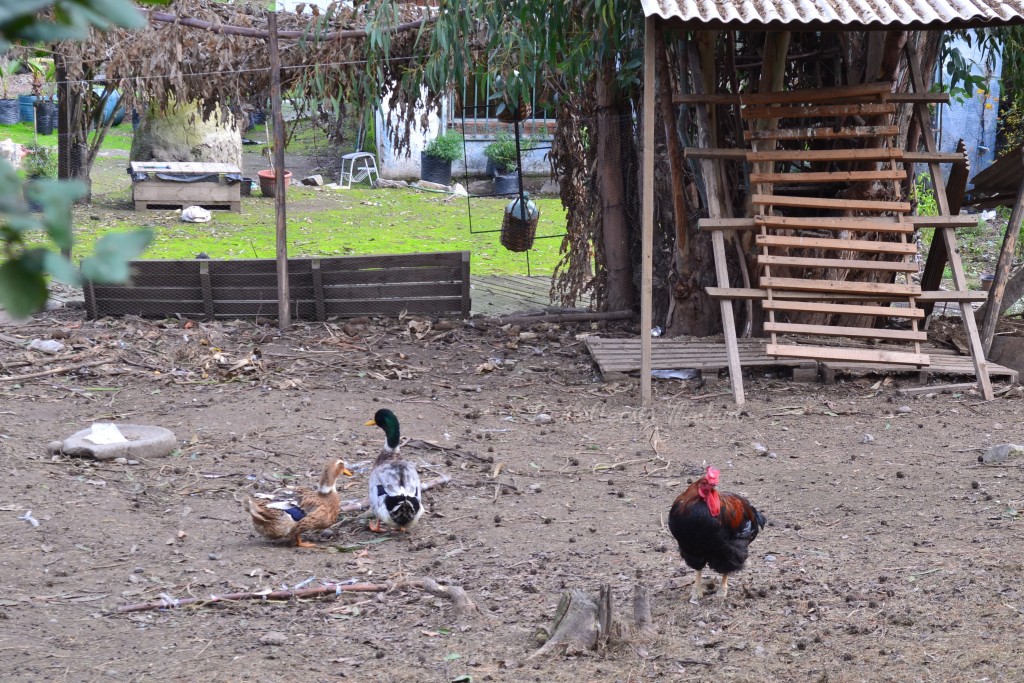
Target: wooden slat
[
  {"x": 840, "y": 331},
  {"x": 840, "y": 353},
  {"x": 713, "y": 153},
  {"x": 871, "y": 154},
  {"x": 940, "y": 296},
  {"x": 810, "y": 111},
  {"x": 867, "y": 224},
  {"x": 841, "y": 309},
  {"x": 868, "y": 246},
  {"x": 820, "y": 133},
  {"x": 934, "y": 158},
  {"x": 713, "y": 98},
  {"x": 204, "y": 281},
  {"x": 886, "y": 224},
  {"x": 466, "y": 302},
  {"x": 825, "y": 203},
  {"x": 927, "y": 97},
  {"x": 818, "y": 94},
  {"x": 851, "y": 264},
  {"x": 318, "y": 290},
  {"x": 829, "y": 177},
  {"x": 391, "y": 291},
  {"x": 845, "y": 286}
]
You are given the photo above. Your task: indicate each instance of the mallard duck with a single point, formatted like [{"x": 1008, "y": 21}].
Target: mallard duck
[
  {"x": 394, "y": 482},
  {"x": 289, "y": 513}
]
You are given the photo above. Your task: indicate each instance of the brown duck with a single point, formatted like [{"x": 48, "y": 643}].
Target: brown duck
[{"x": 289, "y": 513}]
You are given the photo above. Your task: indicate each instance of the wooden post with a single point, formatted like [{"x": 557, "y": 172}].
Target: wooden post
[
  {"x": 994, "y": 306},
  {"x": 284, "y": 318},
  {"x": 647, "y": 234}
]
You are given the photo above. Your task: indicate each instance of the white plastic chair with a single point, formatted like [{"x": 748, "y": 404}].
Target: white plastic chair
[{"x": 357, "y": 166}]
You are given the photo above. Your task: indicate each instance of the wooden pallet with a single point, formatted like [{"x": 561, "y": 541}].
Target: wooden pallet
[
  {"x": 346, "y": 286},
  {"x": 158, "y": 193},
  {"x": 709, "y": 355}
]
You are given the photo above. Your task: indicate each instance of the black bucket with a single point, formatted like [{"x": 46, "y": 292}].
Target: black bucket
[
  {"x": 435, "y": 170},
  {"x": 10, "y": 112},
  {"x": 46, "y": 117},
  {"x": 506, "y": 184}
]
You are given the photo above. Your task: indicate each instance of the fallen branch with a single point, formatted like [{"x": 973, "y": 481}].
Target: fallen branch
[
  {"x": 461, "y": 603},
  {"x": 55, "y": 371},
  {"x": 365, "y": 502}
]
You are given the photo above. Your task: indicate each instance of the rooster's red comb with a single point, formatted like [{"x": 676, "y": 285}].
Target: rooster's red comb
[{"x": 711, "y": 476}]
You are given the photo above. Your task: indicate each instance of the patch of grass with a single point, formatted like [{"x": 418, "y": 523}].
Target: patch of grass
[
  {"x": 350, "y": 222},
  {"x": 118, "y": 138}
]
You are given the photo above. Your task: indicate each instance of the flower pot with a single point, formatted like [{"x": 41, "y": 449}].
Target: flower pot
[
  {"x": 245, "y": 188},
  {"x": 26, "y": 189},
  {"x": 435, "y": 170},
  {"x": 26, "y": 108},
  {"x": 507, "y": 184},
  {"x": 986, "y": 281},
  {"x": 46, "y": 117},
  {"x": 10, "y": 112},
  {"x": 267, "y": 179}
]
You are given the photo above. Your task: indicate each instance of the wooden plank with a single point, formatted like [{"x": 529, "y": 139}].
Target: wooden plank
[
  {"x": 841, "y": 309},
  {"x": 318, "y": 290},
  {"x": 913, "y": 97},
  {"x": 164, "y": 293},
  {"x": 714, "y": 153},
  {"x": 466, "y": 302},
  {"x": 840, "y": 331},
  {"x": 847, "y": 354},
  {"x": 813, "y": 155},
  {"x": 820, "y": 133},
  {"x": 825, "y": 203},
  {"x": 930, "y": 157},
  {"x": 391, "y": 291},
  {"x": 868, "y": 246},
  {"x": 712, "y": 98},
  {"x": 847, "y": 286},
  {"x": 817, "y": 94},
  {"x": 728, "y": 322},
  {"x": 826, "y": 177},
  {"x": 204, "y": 282},
  {"x": 850, "y": 264},
  {"x": 886, "y": 224},
  {"x": 938, "y": 296},
  {"x": 439, "y": 258},
  {"x": 942, "y": 221},
  {"x": 757, "y": 293},
  {"x": 811, "y": 111}
]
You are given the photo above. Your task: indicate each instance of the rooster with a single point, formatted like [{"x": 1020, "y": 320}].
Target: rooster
[{"x": 713, "y": 529}]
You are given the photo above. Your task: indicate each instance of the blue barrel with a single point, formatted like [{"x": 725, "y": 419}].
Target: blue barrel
[{"x": 27, "y": 108}]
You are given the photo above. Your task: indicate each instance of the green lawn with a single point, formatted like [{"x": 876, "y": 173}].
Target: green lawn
[
  {"x": 118, "y": 138},
  {"x": 339, "y": 223}
]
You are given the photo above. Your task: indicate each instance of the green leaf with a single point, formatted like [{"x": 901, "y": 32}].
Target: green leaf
[
  {"x": 22, "y": 289},
  {"x": 109, "y": 263},
  {"x": 61, "y": 269}
]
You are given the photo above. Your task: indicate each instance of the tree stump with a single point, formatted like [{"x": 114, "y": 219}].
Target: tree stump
[{"x": 576, "y": 628}]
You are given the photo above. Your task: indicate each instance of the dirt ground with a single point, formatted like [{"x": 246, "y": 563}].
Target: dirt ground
[{"x": 890, "y": 558}]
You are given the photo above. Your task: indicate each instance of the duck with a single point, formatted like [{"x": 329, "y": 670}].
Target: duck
[
  {"x": 394, "y": 486},
  {"x": 289, "y": 513}
]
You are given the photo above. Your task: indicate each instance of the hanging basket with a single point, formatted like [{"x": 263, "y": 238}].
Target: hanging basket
[
  {"x": 517, "y": 234},
  {"x": 510, "y": 114}
]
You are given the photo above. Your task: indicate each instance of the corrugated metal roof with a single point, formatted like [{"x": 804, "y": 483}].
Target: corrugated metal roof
[{"x": 842, "y": 12}]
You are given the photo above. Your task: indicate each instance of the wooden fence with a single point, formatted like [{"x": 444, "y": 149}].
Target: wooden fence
[{"x": 348, "y": 286}]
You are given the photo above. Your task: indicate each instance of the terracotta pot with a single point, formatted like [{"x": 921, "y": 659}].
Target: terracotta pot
[{"x": 267, "y": 179}]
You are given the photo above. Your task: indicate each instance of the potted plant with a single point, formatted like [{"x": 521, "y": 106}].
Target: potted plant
[
  {"x": 10, "y": 111},
  {"x": 436, "y": 160},
  {"x": 503, "y": 161},
  {"x": 43, "y": 76},
  {"x": 39, "y": 163}
]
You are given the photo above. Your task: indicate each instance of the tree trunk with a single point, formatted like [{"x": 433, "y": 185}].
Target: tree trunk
[
  {"x": 621, "y": 293},
  {"x": 72, "y": 132}
]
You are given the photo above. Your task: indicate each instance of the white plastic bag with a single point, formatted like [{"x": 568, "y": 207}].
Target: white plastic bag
[{"x": 195, "y": 214}]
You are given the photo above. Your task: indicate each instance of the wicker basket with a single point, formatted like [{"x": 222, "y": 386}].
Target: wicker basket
[
  {"x": 517, "y": 234},
  {"x": 512, "y": 115}
]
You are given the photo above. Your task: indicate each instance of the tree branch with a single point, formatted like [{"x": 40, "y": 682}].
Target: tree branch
[{"x": 249, "y": 32}]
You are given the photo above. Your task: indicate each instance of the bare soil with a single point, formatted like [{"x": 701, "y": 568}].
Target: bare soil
[{"x": 890, "y": 558}]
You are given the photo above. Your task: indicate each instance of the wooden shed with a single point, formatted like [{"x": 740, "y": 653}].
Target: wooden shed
[{"x": 808, "y": 244}]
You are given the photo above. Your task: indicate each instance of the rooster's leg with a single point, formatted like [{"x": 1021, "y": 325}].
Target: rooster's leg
[
  {"x": 725, "y": 586},
  {"x": 299, "y": 543},
  {"x": 695, "y": 595}
]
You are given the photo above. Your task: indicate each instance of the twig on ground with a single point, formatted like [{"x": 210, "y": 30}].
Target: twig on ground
[{"x": 55, "y": 371}]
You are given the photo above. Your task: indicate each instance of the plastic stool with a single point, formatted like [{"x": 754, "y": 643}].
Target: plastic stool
[{"x": 357, "y": 166}]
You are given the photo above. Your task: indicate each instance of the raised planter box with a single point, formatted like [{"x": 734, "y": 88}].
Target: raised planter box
[
  {"x": 177, "y": 184},
  {"x": 345, "y": 286}
]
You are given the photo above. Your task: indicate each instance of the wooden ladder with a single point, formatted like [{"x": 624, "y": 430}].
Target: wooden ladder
[{"x": 867, "y": 237}]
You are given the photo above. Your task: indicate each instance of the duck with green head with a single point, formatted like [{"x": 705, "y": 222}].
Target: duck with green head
[{"x": 394, "y": 482}]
